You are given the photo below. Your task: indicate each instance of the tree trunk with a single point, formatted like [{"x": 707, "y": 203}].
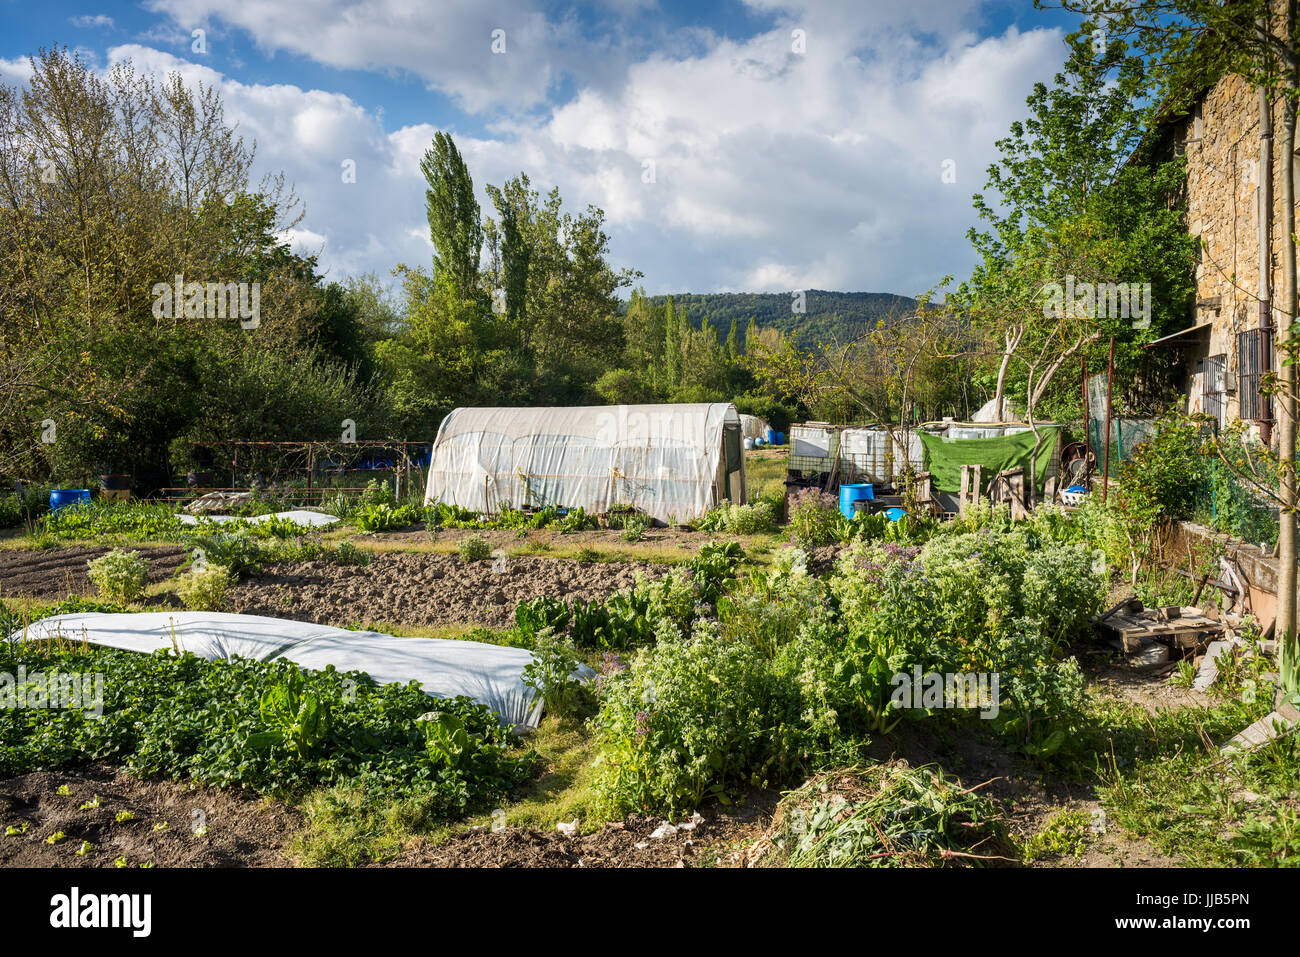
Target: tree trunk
[
  {"x": 1036, "y": 391},
  {"x": 999, "y": 397},
  {"x": 1286, "y": 413}
]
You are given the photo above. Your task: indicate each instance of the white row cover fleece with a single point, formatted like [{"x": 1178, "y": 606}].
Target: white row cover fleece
[
  {"x": 667, "y": 460},
  {"x": 489, "y": 674},
  {"x": 300, "y": 516}
]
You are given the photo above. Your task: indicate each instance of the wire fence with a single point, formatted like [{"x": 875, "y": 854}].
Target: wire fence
[{"x": 1228, "y": 503}]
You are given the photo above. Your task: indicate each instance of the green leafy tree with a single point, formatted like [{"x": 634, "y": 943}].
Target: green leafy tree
[
  {"x": 1078, "y": 201},
  {"x": 453, "y": 214}
]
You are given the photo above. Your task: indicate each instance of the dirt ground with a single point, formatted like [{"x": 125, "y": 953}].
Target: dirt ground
[
  {"x": 688, "y": 540},
  {"x": 711, "y": 839},
  {"x": 425, "y": 589},
  {"x": 54, "y": 573},
  {"x": 241, "y": 831}
]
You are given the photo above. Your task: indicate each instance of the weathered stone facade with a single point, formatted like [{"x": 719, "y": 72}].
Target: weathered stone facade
[{"x": 1220, "y": 139}]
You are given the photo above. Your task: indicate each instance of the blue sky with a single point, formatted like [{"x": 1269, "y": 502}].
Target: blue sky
[{"x": 793, "y": 143}]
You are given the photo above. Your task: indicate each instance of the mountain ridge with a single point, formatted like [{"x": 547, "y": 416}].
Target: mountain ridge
[{"x": 827, "y": 314}]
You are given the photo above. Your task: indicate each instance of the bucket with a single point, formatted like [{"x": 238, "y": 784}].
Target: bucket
[
  {"x": 115, "y": 488},
  {"x": 749, "y": 442},
  {"x": 854, "y": 493},
  {"x": 62, "y": 497},
  {"x": 894, "y": 513}
]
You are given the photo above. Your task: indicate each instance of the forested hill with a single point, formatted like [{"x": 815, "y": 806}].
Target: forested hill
[{"x": 828, "y": 314}]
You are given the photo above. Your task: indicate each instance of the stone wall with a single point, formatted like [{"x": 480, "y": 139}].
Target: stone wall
[{"x": 1220, "y": 140}]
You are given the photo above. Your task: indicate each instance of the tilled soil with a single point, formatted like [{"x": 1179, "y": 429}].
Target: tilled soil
[
  {"x": 426, "y": 589},
  {"x": 241, "y": 831},
  {"x": 714, "y": 839},
  {"x": 55, "y": 573}
]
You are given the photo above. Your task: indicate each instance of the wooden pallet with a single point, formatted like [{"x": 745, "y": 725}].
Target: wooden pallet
[{"x": 1180, "y": 628}]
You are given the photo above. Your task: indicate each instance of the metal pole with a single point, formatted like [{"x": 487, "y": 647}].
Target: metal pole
[
  {"x": 1105, "y": 468},
  {"x": 1087, "y": 417}
]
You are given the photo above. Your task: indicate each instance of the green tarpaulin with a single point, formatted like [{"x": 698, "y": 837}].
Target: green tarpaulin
[{"x": 944, "y": 457}]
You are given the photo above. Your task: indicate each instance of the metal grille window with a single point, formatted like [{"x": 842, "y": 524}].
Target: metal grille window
[
  {"x": 1212, "y": 386},
  {"x": 1254, "y": 358}
]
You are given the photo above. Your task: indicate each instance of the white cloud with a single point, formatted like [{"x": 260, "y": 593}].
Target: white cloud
[
  {"x": 772, "y": 170},
  {"x": 448, "y": 44},
  {"x": 90, "y": 21}
]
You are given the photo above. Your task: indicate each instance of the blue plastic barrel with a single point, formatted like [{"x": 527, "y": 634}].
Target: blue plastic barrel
[
  {"x": 771, "y": 436},
  {"x": 854, "y": 493},
  {"x": 759, "y": 443},
  {"x": 780, "y": 438},
  {"x": 61, "y": 497}
]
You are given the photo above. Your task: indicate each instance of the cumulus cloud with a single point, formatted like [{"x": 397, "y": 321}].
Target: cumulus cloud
[
  {"x": 486, "y": 54},
  {"x": 722, "y": 164}
]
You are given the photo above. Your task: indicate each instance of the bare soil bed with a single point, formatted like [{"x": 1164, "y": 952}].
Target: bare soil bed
[
  {"x": 715, "y": 841},
  {"x": 426, "y": 589},
  {"x": 241, "y": 831},
  {"x": 54, "y": 573},
  {"x": 688, "y": 540}
]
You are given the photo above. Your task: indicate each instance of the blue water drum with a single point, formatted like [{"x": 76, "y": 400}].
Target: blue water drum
[
  {"x": 62, "y": 497},
  {"x": 854, "y": 493},
  {"x": 780, "y": 438},
  {"x": 771, "y": 436}
]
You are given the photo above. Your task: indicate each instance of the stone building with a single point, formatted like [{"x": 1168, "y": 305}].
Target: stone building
[{"x": 1223, "y": 349}]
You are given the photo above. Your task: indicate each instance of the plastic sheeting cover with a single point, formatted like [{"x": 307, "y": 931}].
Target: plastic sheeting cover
[
  {"x": 489, "y": 674},
  {"x": 301, "y": 516},
  {"x": 752, "y": 427},
  {"x": 667, "y": 460}
]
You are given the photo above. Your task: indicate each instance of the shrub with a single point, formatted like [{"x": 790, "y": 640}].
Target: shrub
[
  {"x": 204, "y": 589},
  {"x": 542, "y": 612},
  {"x": 693, "y": 718},
  {"x": 119, "y": 576},
  {"x": 347, "y": 553},
  {"x": 238, "y": 551},
  {"x": 755, "y": 519},
  {"x": 554, "y": 673},
  {"x": 814, "y": 517},
  {"x": 475, "y": 548},
  {"x": 634, "y": 528},
  {"x": 11, "y": 511},
  {"x": 382, "y": 517},
  {"x": 379, "y": 493}
]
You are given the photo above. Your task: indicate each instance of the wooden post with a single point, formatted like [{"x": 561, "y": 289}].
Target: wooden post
[
  {"x": 925, "y": 488},
  {"x": 971, "y": 481},
  {"x": 1012, "y": 487}
]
